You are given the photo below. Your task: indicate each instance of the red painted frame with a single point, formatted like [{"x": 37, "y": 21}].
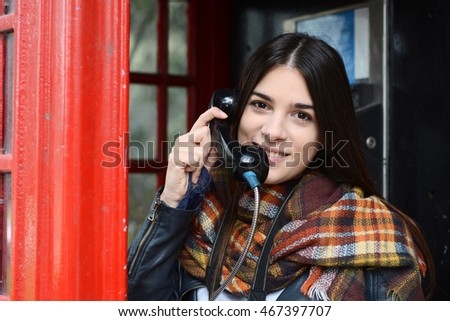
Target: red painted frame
[{"x": 6, "y": 25}]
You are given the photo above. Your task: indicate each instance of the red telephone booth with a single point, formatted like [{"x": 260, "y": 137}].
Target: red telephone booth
[{"x": 65, "y": 82}]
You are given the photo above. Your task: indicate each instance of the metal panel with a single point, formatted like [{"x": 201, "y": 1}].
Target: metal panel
[{"x": 419, "y": 131}]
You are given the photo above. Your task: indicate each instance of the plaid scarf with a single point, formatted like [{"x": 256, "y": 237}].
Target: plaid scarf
[{"x": 330, "y": 231}]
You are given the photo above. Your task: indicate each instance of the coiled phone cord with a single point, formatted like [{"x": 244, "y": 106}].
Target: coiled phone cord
[{"x": 254, "y": 183}]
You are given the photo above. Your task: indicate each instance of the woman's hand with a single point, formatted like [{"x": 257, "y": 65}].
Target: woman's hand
[{"x": 191, "y": 152}]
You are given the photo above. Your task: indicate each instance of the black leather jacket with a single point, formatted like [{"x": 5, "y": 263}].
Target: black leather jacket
[{"x": 154, "y": 272}]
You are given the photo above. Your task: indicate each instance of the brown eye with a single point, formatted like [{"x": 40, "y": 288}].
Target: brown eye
[
  {"x": 303, "y": 116},
  {"x": 259, "y": 104}
]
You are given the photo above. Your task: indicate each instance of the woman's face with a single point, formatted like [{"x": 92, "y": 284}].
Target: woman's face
[{"x": 280, "y": 117}]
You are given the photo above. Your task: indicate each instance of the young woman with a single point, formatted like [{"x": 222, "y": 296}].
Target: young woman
[{"x": 322, "y": 231}]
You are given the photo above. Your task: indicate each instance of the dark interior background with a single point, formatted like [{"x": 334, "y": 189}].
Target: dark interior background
[{"x": 418, "y": 47}]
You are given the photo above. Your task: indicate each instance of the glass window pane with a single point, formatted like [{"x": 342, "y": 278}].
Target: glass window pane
[
  {"x": 9, "y": 6},
  {"x": 177, "y": 112},
  {"x": 177, "y": 37},
  {"x": 143, "y": 36},
  {"x": 143, "y": 116},
  {"x": 8, "y": 93},
  {"x": 141, "y": 190},
  {"x": 5, "y": 232}
]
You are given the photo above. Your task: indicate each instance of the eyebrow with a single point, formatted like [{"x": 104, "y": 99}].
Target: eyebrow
[{"x": 269, "y": 99}]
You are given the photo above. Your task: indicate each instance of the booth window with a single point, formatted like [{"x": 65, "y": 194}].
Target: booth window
[{"x": 160, "y": 82}]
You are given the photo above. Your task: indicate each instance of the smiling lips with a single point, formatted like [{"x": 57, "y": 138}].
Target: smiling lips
[
  {"x": 275, "y": 157},
  {"x": 273, "y": 154}
]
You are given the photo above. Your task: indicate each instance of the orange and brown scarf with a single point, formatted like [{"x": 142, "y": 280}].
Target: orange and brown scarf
[{"x": 330, "y": 231}]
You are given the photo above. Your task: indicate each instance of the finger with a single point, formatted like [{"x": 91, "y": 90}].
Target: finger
[
  {"x": 207, "y": 116},
  {"x": 191, "y": 151},
  {"x": 189, "y": 159},
  {"x": 197, "y": 136},
  {"x": 197, "y": 143}
]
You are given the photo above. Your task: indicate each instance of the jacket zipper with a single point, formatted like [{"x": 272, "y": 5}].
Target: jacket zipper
[{"x": 151, "y": 218}]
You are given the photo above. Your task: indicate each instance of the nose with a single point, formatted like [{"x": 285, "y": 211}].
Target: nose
[{"x": 274, "y": 129}]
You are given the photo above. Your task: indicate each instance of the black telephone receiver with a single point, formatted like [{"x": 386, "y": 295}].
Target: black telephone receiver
[
  {"x": 247, "y": 163},
  {"x": 240, "y": 160}
]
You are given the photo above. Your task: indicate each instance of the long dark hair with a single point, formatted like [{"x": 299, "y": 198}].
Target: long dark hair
[{"x": 324, "y": 72}]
